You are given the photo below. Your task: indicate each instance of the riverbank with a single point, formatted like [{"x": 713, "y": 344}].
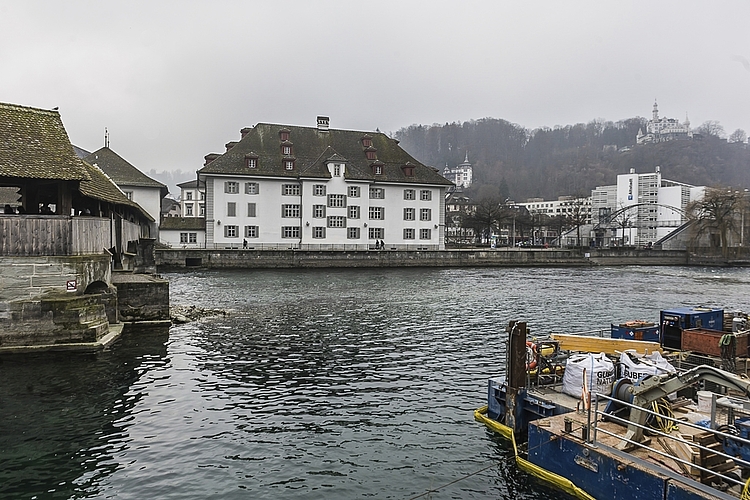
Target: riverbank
[{"x": 503, "y": 257}]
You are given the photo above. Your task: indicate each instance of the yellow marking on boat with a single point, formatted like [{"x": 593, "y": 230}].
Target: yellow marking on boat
[
  {"x": 583, "y": 343},
  {"x": 480, "y": 415}
]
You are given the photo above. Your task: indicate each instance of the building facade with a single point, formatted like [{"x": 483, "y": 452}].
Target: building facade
[
  {"x": 642, "y": 208},
  {"x": 193, "y": 199},
  {"x": 291, "y": 187}
]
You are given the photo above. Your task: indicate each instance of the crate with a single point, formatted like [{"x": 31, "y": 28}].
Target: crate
[
  {"x": 636, "y": 331},
  {"x": 703, "y": 341}
]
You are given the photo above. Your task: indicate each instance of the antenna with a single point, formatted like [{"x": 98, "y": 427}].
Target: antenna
[{"x": 106, "y": 138}]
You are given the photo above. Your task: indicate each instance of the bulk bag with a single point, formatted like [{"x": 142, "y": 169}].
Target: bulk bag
[{"x": 600, "y": 374}]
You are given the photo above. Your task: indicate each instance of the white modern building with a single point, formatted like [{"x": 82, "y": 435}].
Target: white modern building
[
  {"x": 641, "y": 209},
  {"x": 566, "y": 206},
  {"x": 292, "y": 187}
]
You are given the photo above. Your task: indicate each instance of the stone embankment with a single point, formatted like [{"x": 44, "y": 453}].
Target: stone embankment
[{"x": 504, "y": 257}]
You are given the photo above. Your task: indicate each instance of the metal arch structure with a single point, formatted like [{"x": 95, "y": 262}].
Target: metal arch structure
[{"x": 614, "y": 215}]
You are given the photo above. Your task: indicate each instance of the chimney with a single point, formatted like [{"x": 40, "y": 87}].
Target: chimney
[
  {"x": 323, "y": 123},
  {"x": 632, "y": 170},
  {"x": 245, "y": 131},
  {"x": 210, "y": 157},
  {"x": 658, "y": 169},
  {"x": 230, "y": 145}
]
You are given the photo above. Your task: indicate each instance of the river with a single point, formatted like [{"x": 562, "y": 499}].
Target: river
[{"x": 335, "y": 384}]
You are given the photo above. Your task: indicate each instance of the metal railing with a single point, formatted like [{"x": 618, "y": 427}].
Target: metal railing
[{"x": 595, "y": 416}]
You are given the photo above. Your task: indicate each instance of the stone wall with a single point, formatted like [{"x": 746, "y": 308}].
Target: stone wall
[
  {"x": 141, "y": 297},
  {"x": 268, "y": 259},
  {"x": 37, "y": 306}
]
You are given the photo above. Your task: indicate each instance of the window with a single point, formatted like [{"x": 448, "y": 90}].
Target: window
[
  {"x": 252, "y": 162},
  {"x": 290, "y": 232},
  {"x": 251, "y": 210},
  {"x": 252, "y": 188},
  {"x": 231, "y": 209},
  {"x": 202, "y": 209},
  {"x": 319, "y": 232},
  {"x": 290, "y": 189},
  {"x": 425, "y": 195},
  {"x": 292, "y": 211},
  {"x": 189, "y": 209},
  {"x": 371, "y": 155},
  {"x": 409, "y": 214},
  {"x": 376, "y": 233},
  {"x": 410, "y": 194},
  {"x": 425, "y": 234},
  {"x": 408, "y": 234},
  {"x": 425, "y": 214},
  {"x": 286, "y": 150},
  {"x": 353, "y": 191},
  {"x": 230, "y": 231},
  {"x": 128, "y": 194},
  {"x": 319, "y": 190},
  {"x": 183, "y": 237},
  {"x": 377, "y": 193},
  {"x": 192, "y": 237},
  {"x": 231, "y": 187},
  {"x": 336, "y": 221},
  {"x": 288, "y": 164},
  {"x": 353, "y": 212},
  {"x": 251, "y": 231},
  {"x": 352, "y": 233},
  {"x": 189, "y": 196},
  {"x": 378, "y": 169},
  {"x": 203, "y": 196},
  {"x": 319, "y": 211},
  {"x": 337, "y": 170},
  {"x": 336, "y": 200},
  {"x": 377, "y": 213}
]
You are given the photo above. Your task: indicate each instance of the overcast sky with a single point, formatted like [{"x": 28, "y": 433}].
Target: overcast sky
[{"x": 173, "y": 81}]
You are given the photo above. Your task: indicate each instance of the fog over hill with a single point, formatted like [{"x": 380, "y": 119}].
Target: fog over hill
[{"x": 512, "y": 161}]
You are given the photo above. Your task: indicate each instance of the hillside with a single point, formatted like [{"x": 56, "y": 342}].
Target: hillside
[{"x": 511, "y": 161}]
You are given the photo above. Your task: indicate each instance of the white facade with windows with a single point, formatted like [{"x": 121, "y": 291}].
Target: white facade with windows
[{"x": 364, "y": 191}]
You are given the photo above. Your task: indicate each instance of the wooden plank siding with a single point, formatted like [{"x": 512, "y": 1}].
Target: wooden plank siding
[{"x": 40, "y": 235}]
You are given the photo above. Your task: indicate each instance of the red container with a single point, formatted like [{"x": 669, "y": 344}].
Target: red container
[{"x": 706, "y": 342}]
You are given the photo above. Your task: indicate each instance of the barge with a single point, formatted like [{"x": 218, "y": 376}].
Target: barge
[{"x": 645, "y": 437}]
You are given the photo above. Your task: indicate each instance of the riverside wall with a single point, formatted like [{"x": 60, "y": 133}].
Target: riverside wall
[{"x": 503, "y": 257}]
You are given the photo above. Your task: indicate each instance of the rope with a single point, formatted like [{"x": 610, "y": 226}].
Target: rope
[
  {"x": 746, "y": 491},
  {"x": 662, "y": 407},
  {"x": 467, "y": 476}
]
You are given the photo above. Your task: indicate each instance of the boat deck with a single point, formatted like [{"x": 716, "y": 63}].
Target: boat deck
[{"x": 642, "y": 458}]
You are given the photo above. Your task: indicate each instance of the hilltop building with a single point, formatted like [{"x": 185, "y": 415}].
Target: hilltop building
[
  {"x": 461, "y": 175},
  {"x": 663, "y": 129},
  {"x": 292, "y": 187},
  {"x": 641, "y": 208}
]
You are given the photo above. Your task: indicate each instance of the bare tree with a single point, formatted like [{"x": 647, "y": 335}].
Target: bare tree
[
  {"x": 719, "y": 210},
  {"x": 486, "y": 218},
  {"x": 738, "y": 135},
  {"x": 711, "y": 128}
]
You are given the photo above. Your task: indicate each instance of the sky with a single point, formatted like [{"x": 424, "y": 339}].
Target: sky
[{"x": 172, "y": 81}]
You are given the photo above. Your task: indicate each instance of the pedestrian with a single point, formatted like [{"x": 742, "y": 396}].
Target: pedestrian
[
  {"x": 382, "y": 245},
  {"x": 244, "y": 244}
]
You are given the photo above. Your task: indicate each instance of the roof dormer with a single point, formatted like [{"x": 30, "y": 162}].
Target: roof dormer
[
  {"x": 366, "y": 141},
  {"x": 286, "y": 148},
  {"x": 377, "y": 167},
  {"x": 408, "y": 169},
  {"x": 251, "y": 160},
  {"x": 284, "y": 134},
  {"x": 371, "y": 153}
]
